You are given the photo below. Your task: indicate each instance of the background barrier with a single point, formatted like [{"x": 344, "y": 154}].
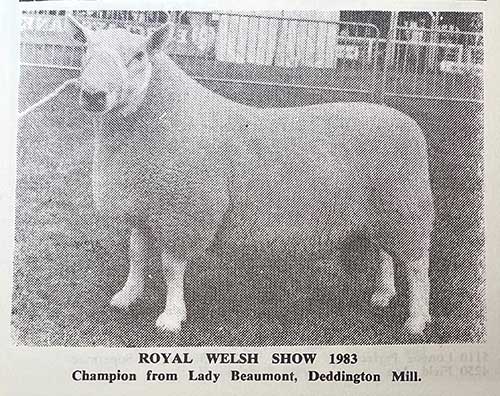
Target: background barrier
[
  {"x": 434, "y": 64},
  {"x": 282, "y": 51},
  {"x": 249, "y": 49}
]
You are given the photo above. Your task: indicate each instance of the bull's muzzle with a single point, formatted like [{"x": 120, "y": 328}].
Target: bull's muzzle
[{"x": 93, "y": 102}]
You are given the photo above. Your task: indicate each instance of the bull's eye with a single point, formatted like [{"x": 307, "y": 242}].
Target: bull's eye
[
  {"x": 136, "y": 58},
  {"x": 139, "y": 55}
]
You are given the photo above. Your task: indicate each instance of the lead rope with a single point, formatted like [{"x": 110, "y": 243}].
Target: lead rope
[
  {"x": 48, "y": 97},
  {"x": 114, "y": 57}
]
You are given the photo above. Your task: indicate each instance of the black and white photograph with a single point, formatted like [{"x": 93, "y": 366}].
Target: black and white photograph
[{"x": 249, "y": 178}]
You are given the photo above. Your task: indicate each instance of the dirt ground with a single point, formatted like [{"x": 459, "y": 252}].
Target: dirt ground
[{"x": 69, "y": 262}]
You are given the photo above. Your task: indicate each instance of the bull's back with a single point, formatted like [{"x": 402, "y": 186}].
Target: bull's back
[{"x": 306, "y": 178}]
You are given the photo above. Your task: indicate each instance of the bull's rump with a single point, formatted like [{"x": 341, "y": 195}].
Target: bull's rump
[{"x": 306, "y": 178}]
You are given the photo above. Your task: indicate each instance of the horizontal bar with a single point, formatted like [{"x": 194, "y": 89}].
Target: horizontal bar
[
  {"x": 448, "y": 98},
  {"x": 282, "y": 85},
  {"x": 297, "y": 86},
  {"x": 230, "y": 80},
  {"x": 437, "y": 31},
  {"x": 50, "y": 66}
]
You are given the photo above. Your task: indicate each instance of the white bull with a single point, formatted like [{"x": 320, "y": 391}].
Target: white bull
[{"x": 189, "y": 168}]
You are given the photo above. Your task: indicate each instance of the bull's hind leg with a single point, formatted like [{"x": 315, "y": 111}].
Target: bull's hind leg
[
  {"x": 175, "y": 308},
  {"x": 417, "y": 273},
  {"x": 384, "y": 284},
  {"x": 134, "y": 286}
]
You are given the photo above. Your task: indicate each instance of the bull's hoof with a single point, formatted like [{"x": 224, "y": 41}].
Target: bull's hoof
[
  {"x": 170, "y": 322},
  {"x": 126, "y": 297},
  {"x": 412, "y": 338},
  {"x": 382, "y": 297},
  {"x": 413, "y": 329}
]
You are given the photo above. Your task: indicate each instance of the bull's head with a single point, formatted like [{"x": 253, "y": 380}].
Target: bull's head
[{"x": 116, "y": 67}]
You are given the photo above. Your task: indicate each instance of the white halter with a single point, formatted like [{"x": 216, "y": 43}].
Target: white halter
[
  {"x": 136, "y": 99},
  {"x": 117, "y": 60}
]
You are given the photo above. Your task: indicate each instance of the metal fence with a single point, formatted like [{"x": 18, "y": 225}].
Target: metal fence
[
  {"x": 285, "y": 52},
  {"x": 433, "y": 64},
  {"x": 245, "y": 49}
]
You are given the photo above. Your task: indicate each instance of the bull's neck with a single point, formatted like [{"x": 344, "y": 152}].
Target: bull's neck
[{"x": 168, "y": 95}]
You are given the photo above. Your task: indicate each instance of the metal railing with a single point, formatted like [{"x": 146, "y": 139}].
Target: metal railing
[
  {"x": 433, "y": 64},
  {"x": 272, "y": 50},
  {"x": 235, "y": 48}
]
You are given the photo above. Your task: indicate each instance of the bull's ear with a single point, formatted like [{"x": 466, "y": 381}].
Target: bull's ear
[
  {"x": 77, "y": 30},
  {"x": 160, "y": 38}
]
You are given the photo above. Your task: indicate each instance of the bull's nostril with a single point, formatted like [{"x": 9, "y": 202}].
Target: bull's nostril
[
  {"x": 94, "y": 101},
  {"x": 86, "y": 95},
  {"x": 100, "y": 95}
]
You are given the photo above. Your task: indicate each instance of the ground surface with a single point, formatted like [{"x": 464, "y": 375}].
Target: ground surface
[{"x": 69, "y": 263}]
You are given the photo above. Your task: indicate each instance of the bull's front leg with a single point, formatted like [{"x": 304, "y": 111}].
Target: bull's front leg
[
  {"x": 175, "y": 308},
  {"x": 139, "y": 254}
]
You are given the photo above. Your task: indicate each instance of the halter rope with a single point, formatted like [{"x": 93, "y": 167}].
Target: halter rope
[
  {"x": 48, "y": 97},
  {"x": 115, "y": 57}
]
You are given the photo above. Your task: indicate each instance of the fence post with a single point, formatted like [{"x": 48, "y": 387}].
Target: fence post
[
  {"x": 434, "y": 38},
  {"x": 390, "y": 49},
  {"x": 375, "y": 71}
]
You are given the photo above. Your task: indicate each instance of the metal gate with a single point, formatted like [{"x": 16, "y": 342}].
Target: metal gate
[
  {"x": 278, "y": 51},
  {"x": 245, "y": 49},
  {"x": 433, "y": 64}
]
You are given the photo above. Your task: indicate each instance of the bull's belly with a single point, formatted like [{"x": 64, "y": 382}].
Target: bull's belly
[
  {"x": 282, "y": 242},
  {"x": 289, "y": 231}
]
